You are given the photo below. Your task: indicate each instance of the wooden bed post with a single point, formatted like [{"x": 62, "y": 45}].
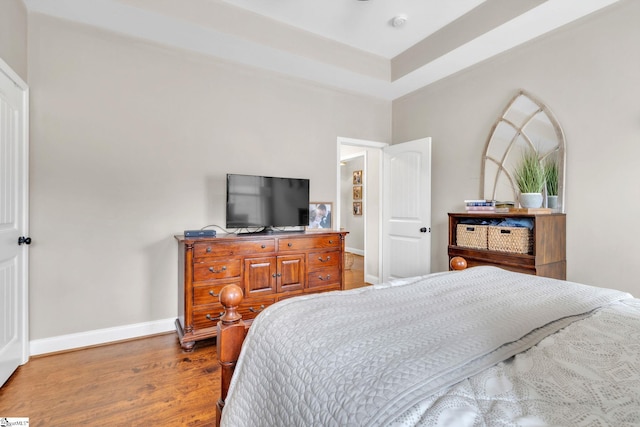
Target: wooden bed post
[
  {"x": 458, "y": 263},
  {"x": 231, "y": 333}
]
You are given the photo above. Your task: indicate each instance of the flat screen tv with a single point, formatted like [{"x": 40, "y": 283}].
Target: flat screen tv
[{"x": 265, "y": 201}]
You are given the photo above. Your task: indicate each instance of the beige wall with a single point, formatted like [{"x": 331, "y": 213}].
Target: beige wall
[
  {"x": 130, "y": 145},
  {"x": 13, "y": 35},
  {"x": 587, "y": 73}
]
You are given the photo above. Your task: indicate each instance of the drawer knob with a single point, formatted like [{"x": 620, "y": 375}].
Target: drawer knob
[
  {"x": 213, "y": 270},
  {"x": 324, "y": 260},
  {"x": 330, "y": 242},
  {"x": 263, "y": 246},
  {"x": 209, "y": 249},
  {"x": 213, "y": 294},
  {"x": 325, "y": 278},
  {"x": 289, "y": 244},
  {"x": 253, "y": 310}
]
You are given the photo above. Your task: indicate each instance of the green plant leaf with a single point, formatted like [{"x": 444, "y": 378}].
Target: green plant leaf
[{"x": 530, "y": 174}]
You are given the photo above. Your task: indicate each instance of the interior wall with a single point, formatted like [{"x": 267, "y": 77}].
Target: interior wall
[
  {"x": 13, "y": 36},
  {"x": 130, "y": 145},
  {"x": 587, "y": 74}
]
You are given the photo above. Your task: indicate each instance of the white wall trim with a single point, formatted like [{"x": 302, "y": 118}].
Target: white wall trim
[
  {"x": 100, "y": 336},
  {"x": 374, "y": 280},
  {"x": 355, "y": 251}
]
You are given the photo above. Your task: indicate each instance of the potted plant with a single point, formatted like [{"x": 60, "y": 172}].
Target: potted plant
[
  {"x": 530, "y": 179},
  {"x": 551, "y": 179}
]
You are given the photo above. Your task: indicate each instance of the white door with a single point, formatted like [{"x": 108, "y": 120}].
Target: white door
[
  {"x": 14, "y": 349},
  {"x": 407, "y": 209}
]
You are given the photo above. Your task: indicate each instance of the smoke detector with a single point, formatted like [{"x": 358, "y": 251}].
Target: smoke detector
[{"x": 399, "y": 21}]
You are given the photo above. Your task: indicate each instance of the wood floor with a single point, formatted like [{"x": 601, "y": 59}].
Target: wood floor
[{"x": 144, "y": 382}]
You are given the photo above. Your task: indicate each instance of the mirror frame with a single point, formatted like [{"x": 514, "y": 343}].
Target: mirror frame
[{"x": 502, "y": 173}]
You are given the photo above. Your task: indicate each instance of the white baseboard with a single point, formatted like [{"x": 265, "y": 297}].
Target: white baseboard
[
  {"x": 99, "y": 336},
  {"x": 374, "y": 280},
  {"x": 355, "y": 251}
]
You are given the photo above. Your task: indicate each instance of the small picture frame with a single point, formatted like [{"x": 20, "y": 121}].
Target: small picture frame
[
  {"x": 320, "y": 216},
  {"x": 357, "y": 177},
  {"x": 357, "y": 192},
  {"x": 357, "y": 208}
]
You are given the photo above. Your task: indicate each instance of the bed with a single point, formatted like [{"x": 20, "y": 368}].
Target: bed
[{"x": 477, "y": 347}]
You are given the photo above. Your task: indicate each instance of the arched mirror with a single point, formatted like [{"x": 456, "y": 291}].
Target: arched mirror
[{"x": 526, "y": 124}]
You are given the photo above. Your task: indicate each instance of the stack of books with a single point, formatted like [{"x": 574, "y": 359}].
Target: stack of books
[
  {"x": 488, "y": 206},
  {"x": 504, "y": 207},
  {"x": 480, "y": 206}
]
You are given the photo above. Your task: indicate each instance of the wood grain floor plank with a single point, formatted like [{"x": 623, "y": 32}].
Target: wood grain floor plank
[{"x": 150, "y": 381}]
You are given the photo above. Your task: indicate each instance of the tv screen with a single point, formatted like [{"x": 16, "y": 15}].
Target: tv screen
[{"x": 264, "y": 201}]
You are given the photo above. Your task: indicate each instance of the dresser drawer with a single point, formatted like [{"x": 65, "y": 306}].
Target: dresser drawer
[
  {"x": 250, "y": 308},
  {"x": 325, "y": 277},
  {"x": 207, "y": 317},
  {"x": 319, "y": 242},
  {"x": 206, "y": 294},
  {"x": 231, "y": 248},
  {"x": 216, "y": 269},
  {"x": 319, "y": 260},
  {"x": 334, "y": 287}
]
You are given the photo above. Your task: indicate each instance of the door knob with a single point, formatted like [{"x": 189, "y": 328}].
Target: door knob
[{"x": 25, "y": 240}]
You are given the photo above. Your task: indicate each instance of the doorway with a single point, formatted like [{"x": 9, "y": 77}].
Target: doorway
[
  {"x": 395, "y": 208},
  {"x": 358, "y": 200}
]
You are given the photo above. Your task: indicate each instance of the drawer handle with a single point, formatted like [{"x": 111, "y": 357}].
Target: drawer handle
[
  {"x": 331, "y": 242},
  {"x": 213, "y": 270},
  {"x": 505, "y": 231},
  {"x": 209, "y": 249},
  {"x": 263, "y": 246},
  {"x": 325, "y": 278},
  {"x": 213, "y": 294},
  {"x": 289, "y": 244},
  {"x": 253, "y": 310},
  {"x": 324, "y": 260},
  {"x": 214, "y": 319}
]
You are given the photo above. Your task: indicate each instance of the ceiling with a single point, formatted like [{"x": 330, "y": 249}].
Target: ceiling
[
  {"x": 364, "y": 24},
  {"x": 348, "y": 44}
]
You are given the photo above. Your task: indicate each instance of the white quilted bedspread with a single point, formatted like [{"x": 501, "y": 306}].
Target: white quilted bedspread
[
  {"x": 370, "y": 356},
  {"x": 586, "y": 375}
]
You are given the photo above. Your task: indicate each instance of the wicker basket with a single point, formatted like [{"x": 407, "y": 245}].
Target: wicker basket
[
  {"x": 517, "y": 240},
  {"x": 471, "y": 236}
]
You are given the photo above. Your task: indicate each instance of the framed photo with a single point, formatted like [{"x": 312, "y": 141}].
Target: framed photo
[
  {"x": 357, "y": 192},
  {"x": 357, "y": 177},
  {"x": 357, "y": 208},
  {"x": 320, "y": 215}
]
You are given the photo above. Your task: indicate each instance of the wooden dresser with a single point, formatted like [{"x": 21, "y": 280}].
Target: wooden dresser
[
  {"x": 547, "y": 256},
  {"x": 268, "y": 267}
]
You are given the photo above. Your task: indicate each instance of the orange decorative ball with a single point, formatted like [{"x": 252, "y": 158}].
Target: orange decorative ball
[
  {"x": 231, "y": 295},
  {"x": 458, "y": 263}
]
